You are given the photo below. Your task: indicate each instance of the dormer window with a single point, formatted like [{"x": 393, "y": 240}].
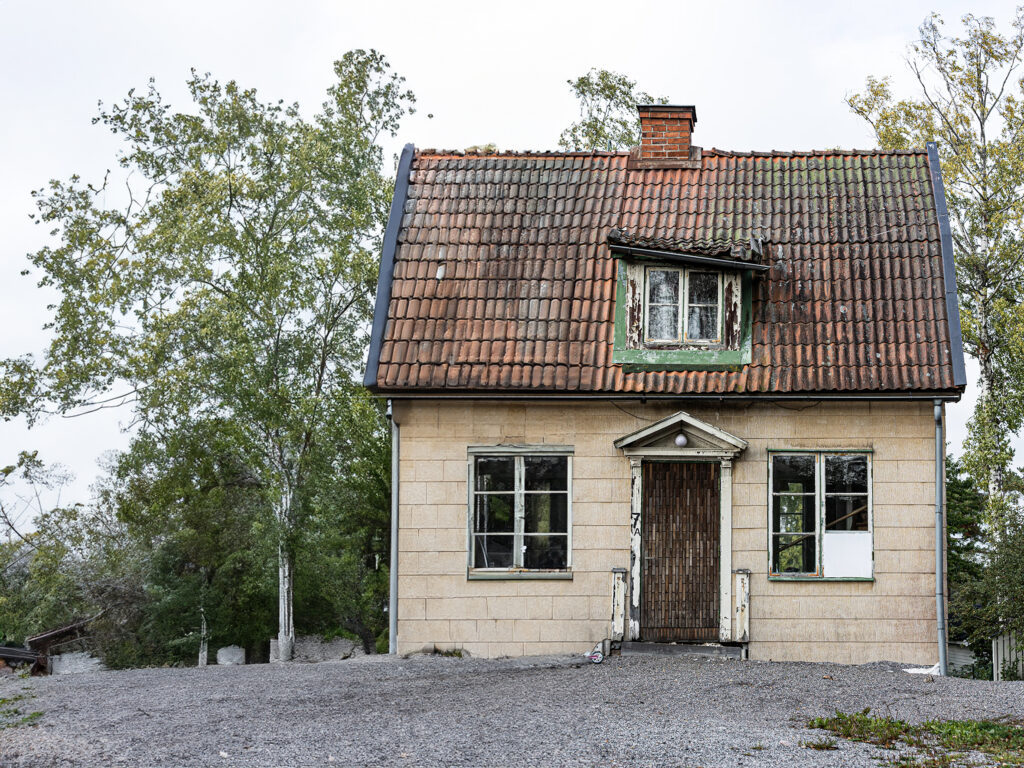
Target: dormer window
[
  {"x": 682, "y": 311},
  {"x": 682, "y": 306}
]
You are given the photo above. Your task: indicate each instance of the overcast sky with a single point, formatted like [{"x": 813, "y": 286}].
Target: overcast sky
[{"x": 763, "y": 75}]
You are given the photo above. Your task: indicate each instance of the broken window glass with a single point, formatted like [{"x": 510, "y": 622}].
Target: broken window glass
[
  {"x": 793, "y": 473},
  {"x": 493, "y": 551},
  {"x": 495, "y": 473},
  {"x": 846, "y": 492},
  {"x": 521, "y": 512},
  {"x": 821, "y": 515},
  {"x": 545, "y": 551}
]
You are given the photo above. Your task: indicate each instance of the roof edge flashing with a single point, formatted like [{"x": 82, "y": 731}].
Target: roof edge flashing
[
  {"x": 956, "y": 343},
  {"x": 387, "y": 265}
]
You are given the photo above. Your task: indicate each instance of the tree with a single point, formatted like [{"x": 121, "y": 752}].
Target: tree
[
  {"x": 234, "y": 284},
  {"x": 346, "y": 543},
  {"x": 971, "y": 102},
  {"x": 608, "y": 116},
  {"x": 192, "y": 502},
  {"x": 966, "y": 556},
  {"x": 68, "y": 563}
]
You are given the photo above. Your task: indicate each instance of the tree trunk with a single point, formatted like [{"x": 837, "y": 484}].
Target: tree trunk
[
  {"x": 285, "y": 595},
  {"x": 285, "y": 582},
  {"x": 204, "y": 651}
]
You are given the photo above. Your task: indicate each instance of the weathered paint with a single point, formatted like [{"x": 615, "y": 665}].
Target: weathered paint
[
  {"x": 635, "y": 535},
  {"x": 618, "y": 604},
  {"x": 629, "y": 348},
  {"x": 742, "y": 590},
  {"x": 725, "y": 551}
]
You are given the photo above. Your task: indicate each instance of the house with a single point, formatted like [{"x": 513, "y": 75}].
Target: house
[{"x": 668, "y": 395}]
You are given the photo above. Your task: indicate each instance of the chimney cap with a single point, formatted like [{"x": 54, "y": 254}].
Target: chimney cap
[{"x": 670, "y": 108}]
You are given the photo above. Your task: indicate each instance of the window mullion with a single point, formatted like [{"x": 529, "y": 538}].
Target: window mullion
[
  {"x": 684, "y": 298},
  {"x": 820, "y": 500},
  {"x": 520, "y": 512}
]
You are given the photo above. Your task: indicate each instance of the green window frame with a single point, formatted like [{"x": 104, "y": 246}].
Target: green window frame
[{"x": 634, "y": 353}]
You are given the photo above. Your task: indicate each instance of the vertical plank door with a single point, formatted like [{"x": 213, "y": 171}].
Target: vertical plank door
[{"x": 680, "y": 552}]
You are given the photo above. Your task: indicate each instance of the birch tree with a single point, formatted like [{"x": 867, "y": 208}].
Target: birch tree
[
  {"x": 235, "y": 281},
  {"x": 608, "y": 117},
  {"x": 970, "y": 100}
]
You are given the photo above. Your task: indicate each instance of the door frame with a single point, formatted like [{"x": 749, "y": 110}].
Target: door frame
[{"x": 705, "y": 442}]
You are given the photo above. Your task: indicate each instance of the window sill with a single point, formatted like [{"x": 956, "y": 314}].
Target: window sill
[
  {"x": 774, "y": 577},
  {"x": 517, "y": 575}
]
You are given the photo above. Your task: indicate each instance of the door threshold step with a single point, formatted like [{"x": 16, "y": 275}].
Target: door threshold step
[{"x": 682, "y": 649}]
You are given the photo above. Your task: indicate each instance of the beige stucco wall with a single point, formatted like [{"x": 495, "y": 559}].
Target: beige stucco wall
[{"x": 890, "y": 618}]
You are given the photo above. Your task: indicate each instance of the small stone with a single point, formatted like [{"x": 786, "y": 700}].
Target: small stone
[{"x": 231, "y": 655}]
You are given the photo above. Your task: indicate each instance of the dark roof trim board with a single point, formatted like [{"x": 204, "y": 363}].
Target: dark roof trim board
[
  {"x": 956, "y": 344},
  {"x": 387, "y": 265},
  {"x": 504, "y": 394},
  {"x": 685, "y": 258}
]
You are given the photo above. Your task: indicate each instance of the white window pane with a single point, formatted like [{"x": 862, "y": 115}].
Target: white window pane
[
  {"x": 702, "y": 323},
  {"x": 846, "y": 555},
  {"x": 663, "y": 323},
  {"x": 703, "y": 288},
  {"x": 662, "y": 286}
]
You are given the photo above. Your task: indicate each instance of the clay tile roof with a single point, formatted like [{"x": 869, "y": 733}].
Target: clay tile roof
[{"x": 504, "y": 281}]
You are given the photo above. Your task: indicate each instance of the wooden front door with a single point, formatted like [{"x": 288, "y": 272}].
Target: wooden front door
[{"x": 680, "y": 552}]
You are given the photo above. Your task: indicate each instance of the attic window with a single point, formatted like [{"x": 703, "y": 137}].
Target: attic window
[{"x": 682, "y": 306}]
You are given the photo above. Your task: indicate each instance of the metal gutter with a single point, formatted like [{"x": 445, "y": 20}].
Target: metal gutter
[
  {"x": 956, "y": 343},
  {"x": 686, "y": 258},
  {"x": 393, "y": 567},
  {"x": 639, "y": 397},
  {"x": 940, "y": 537},
  {"x": 387, "y": 265}
]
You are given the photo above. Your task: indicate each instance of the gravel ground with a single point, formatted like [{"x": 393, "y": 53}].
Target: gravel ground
[{"x": 434, "y": 711}]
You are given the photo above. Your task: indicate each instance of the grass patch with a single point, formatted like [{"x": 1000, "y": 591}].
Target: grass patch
[
  {"x": 939, "y": 743},
  {"x": 11, "y": 714}
]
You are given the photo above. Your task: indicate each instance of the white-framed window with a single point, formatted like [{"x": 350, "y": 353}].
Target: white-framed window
[
  {"x": 820, "y": 514},
  {"x": 682, "y": 306},
  {"x": 520, "y": 515}
]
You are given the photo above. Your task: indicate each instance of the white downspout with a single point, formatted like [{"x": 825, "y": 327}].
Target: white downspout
[
  {"x": 940, "y": 490},
  {"x": 393, "y": 568}
]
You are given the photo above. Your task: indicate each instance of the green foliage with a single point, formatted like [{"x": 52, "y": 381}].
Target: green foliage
[
  {"x": 966, "y": 555},
  {"x": 608, "y": 116},
  {"x": 971, "y": 102},
  {"x": 345, "y": 548},
  {"x": 12, "y": 715},
  {"x": 226, "y": 300},
  {"x": 939, "y": 742}
]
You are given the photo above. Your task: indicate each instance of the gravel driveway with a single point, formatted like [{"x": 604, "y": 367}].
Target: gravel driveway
[{"x": 433, "y": 711}]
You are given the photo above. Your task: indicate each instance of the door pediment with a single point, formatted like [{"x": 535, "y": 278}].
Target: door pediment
[{"x": 703, "y": 440}]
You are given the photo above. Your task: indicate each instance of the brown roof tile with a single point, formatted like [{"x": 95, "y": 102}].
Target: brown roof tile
[{"x": 853, "y": 301}]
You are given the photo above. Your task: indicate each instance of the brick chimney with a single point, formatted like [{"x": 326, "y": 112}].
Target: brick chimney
[{"x": 665, "y": 132}]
